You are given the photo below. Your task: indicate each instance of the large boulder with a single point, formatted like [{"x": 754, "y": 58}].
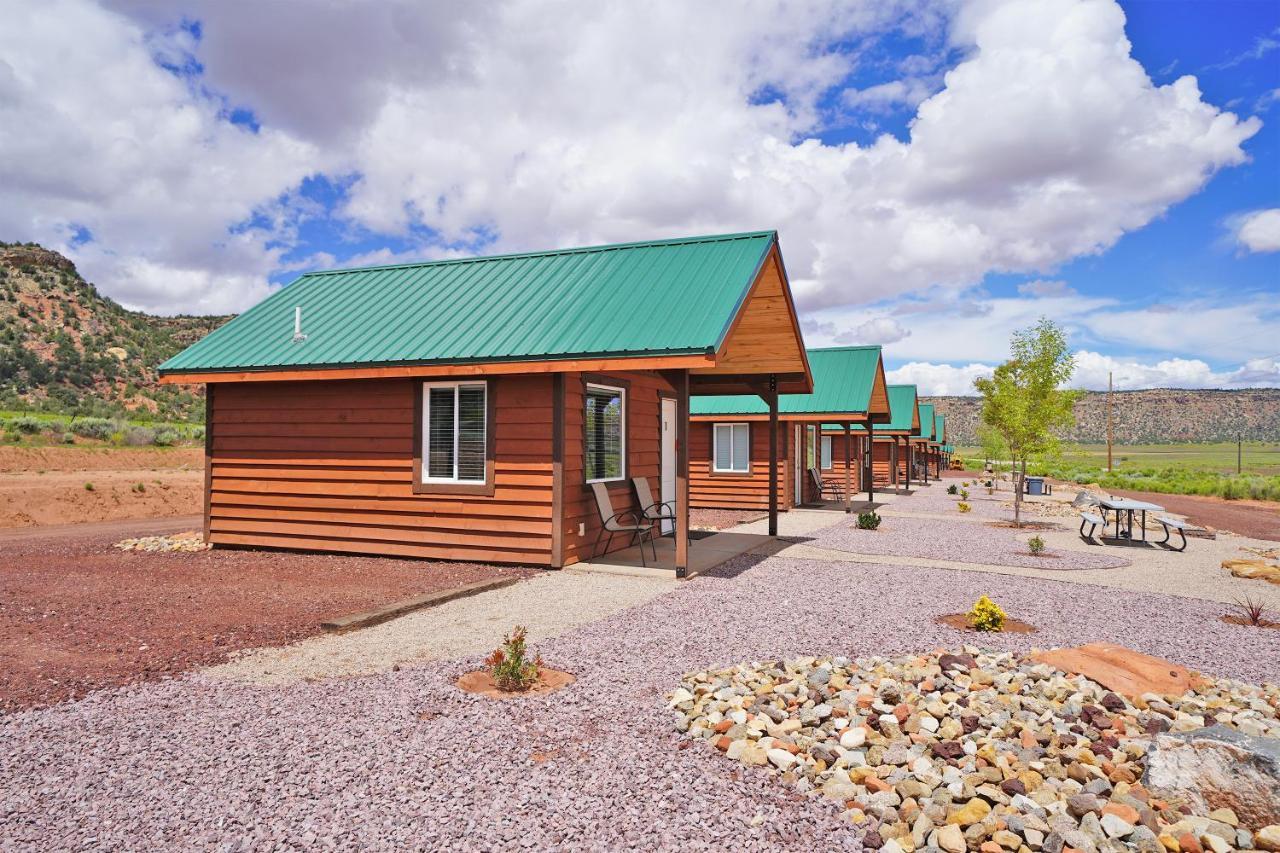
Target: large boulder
[
  {"x": 1218, "y": 767},
  {"x": 1123, "y": 670},
  {"x": 1253, "y": 570}
]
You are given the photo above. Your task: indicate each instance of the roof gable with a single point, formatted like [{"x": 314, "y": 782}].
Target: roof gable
[
  {"x": 926, "y": 421},
  {"x": 843, "y": 382},
  {"x": 668, "y": 297}
]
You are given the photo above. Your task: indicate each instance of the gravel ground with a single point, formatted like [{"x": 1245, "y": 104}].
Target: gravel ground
[
  {"x": 468, "y": 626},
  {"x": 960, "y": 541},
  {"x": 404, "y": 759},
  {"x": 77, "y": 615}
]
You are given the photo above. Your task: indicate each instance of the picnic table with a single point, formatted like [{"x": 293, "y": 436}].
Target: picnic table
[{"x": 1125, "y": 508}]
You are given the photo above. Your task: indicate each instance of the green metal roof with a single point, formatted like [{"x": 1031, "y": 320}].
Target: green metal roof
[
  {"x": 668, "y": 297},
  {"x": 940, "y": 427},
  {"x": 926, "y": 421},
  {"x": 902, "y": 405},
  {"x": 843, "y": 378}
]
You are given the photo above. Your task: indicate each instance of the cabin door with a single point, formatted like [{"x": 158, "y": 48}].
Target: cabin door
[{"x": 668, "y": 486}]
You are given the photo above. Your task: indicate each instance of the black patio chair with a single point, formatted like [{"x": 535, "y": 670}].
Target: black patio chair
[
  {"x": 614, "y": 522},
  {"x": 825, "y": 486}
]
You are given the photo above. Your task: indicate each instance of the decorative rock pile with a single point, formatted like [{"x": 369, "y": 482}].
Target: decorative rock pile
[
  {"x": 189, "y": 541},
  {"x": 972, "y": 750}
]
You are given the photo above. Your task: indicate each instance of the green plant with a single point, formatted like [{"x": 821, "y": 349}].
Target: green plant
[
  {"x": 139, "y": 487},
  {"x": 963, "y": 507},
  {"x": 953, "y": 489},
  {"x": 68, "y": 438},
  {"x": 1036, "y": 544},
  {"x": 964, "y": 494},
  {"x": 139, "y": 436},
  {"x": 166, "y": 438},
  {"x": 986, "y": 615},
  {"x": 88, "y": 487},
  {"x": 509, "y": 664},
  {"x": 868, "y": 520},
  {"x": 25, "y": 424}
]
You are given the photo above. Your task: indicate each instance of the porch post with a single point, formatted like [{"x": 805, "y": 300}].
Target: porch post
[
  {"x": 848, "y": 470},
  {"x": 871, "y": 467},
  {"x": 772, "y": 399},
  {"x": 907, "y": 445},
  {"x": 682, "y": 474},
  {"x": 926, "y": 464},
  {"x": 893, "y": 462}
]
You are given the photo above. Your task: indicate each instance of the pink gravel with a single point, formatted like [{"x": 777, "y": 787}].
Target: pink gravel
[
  {"x": 405, "y": 760},
  {"x": 962, "y": 541}
]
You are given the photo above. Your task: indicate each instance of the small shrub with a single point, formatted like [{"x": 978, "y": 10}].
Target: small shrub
[
  {"x": 964, "y": 494},
  {"x": 88, "y": 487},
  {"x": 953, "y": 489},
  {"x": 868, "y": 520},
  {"x": 509, "y": 664},
  {"x": 986, "y": 615},
  {"x": 139, "y": 436},
  {"x": 166, "y": 438},
  {"x": 963, "y": 507},
  {"x": 68, "y": 438},
  {"x": 139, "y": 487},
  {"x": 1036, "y": 544},
  {"x": 1251, "y": 611},
  {"x": 96, "y": 428},
  {"x": 25, "y": 424}
]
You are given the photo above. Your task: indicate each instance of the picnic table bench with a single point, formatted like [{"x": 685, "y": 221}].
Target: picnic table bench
[
  {"x": 1125, "y": 509},
  {"x": 1170, "y": 525}
]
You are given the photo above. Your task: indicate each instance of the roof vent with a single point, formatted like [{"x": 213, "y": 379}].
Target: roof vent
[{"x": 298, "y": 337}]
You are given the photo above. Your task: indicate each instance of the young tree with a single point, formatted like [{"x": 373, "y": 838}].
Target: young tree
[
  {"x": 994, "y": 451},
  {"x": 1024, "y": 402}
]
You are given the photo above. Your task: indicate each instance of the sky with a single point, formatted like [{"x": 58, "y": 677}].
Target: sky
[{"x": 940, "y": 173}]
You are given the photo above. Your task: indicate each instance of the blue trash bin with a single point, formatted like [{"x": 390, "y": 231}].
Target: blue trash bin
[{"x": 1035, "y": 485}]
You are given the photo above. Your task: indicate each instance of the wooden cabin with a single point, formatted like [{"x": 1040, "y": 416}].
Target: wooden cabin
[
  {"x": 461, "y": 409},
  {"x": 729, "y": 439},
  {"x": 891, "y": 448},
  {"x": 921, "y": 444},
  {"x": 939, "y": 444}
]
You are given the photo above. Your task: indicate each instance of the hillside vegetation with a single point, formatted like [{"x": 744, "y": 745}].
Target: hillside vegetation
[
  {"x": 65, "y": 348},
  {"x": 1159, "y": 416}
]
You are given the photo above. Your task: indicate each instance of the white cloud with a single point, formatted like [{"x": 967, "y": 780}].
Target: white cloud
[
  {"x": 1092, "y": 369},
  {"x": 880, "y": 330},
  {"x": 883, "y": 97},
  {"x": 938, "y": 380},
  {"x": 95, "y": 135},
  {"x": 1091, "y": 373},
  {"x": 1045, "y": 287},
  {"x": 1259, "y": 231},
  {"x": 544, "y": 125}
]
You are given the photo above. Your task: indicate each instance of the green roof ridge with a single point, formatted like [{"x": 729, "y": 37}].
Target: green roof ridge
[{"x": 544, "y": 253}]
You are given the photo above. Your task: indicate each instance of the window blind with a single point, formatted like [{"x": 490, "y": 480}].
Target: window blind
[
  {"x": 456, "y": 432},
  {"x": 604, "y": 439},
  {"x": 733, "y": 447}
]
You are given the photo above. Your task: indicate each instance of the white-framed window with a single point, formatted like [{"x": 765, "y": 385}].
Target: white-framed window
[
  {"x": 606, "y": 433},
  {"x": 826, "y": 452},
  {"x": 731, "y": 453},
  {"x": 455, "y": 432}
]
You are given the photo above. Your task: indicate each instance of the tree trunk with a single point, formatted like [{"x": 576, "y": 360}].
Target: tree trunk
[{"x": 1019, "y": 471}]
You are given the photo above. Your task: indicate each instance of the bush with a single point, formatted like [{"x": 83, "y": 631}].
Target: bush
[
  {"x": 139, "y": 436},
  {"x": 963, "y": 507},
  {"x": 868, "y": 521},
  {"x": 68, "y": 438},
  {"x": 1036, "y": 544},
  {"x": 509, "y": 664},
  {"x": 953, "y": 489},
  {"x": 25, "y": 424},
  {"x": 138, "y": 487},
  {"x": 964, "y": 494},
  {"x": 166, "y": 437},
  {"x": 96, "y": 428},
  {"x": 986, "y": 615},
  {"x": 88, "y": 487}
]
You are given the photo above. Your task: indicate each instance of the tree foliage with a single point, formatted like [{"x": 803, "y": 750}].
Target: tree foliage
[{"x": 1024, "y": 402}]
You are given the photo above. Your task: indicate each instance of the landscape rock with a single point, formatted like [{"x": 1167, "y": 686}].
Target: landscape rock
[{"x": 1219, "y": 768}]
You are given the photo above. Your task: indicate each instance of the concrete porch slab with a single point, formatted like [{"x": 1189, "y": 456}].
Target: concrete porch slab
[{"x": 704, "y": 554}]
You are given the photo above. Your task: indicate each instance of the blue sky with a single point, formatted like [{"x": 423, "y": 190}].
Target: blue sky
[{"x": 940, "y": 173}]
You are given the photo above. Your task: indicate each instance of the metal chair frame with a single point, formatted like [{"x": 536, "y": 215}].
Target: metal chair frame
[
  {"x": 826, "y": 485},
  {"x": 612, "y": 522}
]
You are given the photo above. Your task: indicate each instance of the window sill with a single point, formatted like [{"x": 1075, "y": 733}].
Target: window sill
[
  {"x": 482, "y": 489},
  {"x": 740, "y": 475}
]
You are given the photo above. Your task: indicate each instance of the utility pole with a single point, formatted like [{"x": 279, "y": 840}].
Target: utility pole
[
  {"x": 1239, "y": 451},
  {"x": 1109, "y": 386}
]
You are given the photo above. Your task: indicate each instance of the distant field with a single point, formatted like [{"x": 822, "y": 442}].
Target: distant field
[
  {"x": 1258, "y": 457},
  {"x": 1189, "y": 469}
]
